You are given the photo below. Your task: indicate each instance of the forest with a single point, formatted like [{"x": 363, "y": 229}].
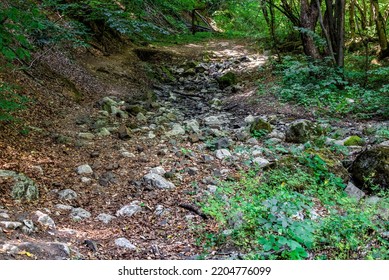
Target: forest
[{"x": 194, "y": 129}]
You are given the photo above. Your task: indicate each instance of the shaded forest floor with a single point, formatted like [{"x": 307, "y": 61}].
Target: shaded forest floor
[{"x": 52, "y": 140}]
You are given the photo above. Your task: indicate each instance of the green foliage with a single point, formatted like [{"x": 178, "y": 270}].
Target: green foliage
[
  {"x": 315, "y": 83},
  {"x": 297, "y": 211},
  {"x": 259, "y": 133},
  {"x": 9, "y": 102}
]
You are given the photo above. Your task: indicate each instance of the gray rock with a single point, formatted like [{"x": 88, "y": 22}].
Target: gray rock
[
  {"x": 64, "y": 207},
  {"x": 252, "y": 141},
  {"x": 28, "y": 227},
  {"x": 192, "y": 171},
  {"x": 24, "y": 187},
  {"x": 10, "y": 249},
  {"x": 373, "y": 200},
  {"x": 104, "y": 132},
  {"x": 157, "y": 181},
  {"x": 354, "y": 192},
  {"x": 158, "y": 170},
  {"x": 84, "y": 169},
  {"x": 86, "y": 180},
  {"x": 249, "y": 119},
  {"x": 176, "y": 130},
  {"x": 159, "y": 210},
  {"x": 124, "y": 243},
  {"x": 4, "y": 216},
  {"x": 301, "y": 131},
  {"x": 129, "y": 210},
  {"x": 45, "y": 220},
  {"x": 222, "y": 153},
  {"x": 107, "y": 178},
  {"x": 212, "y": 188},
  {"x": 192, "y": 126},
  {"x": 67, "y": 194},
  {"x": 105, "y": 218},
  {"x": 215, "y": 121},
  {"x": 80, "y": 214},
  {"x": 141, "y": 118},
  {"x": 10, "y": 225},
  {"x": 223, "y": 143},
  {"x": 261, "y": 162}
]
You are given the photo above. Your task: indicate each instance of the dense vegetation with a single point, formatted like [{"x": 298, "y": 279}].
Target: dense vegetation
[{"x": 330, "y": 56}]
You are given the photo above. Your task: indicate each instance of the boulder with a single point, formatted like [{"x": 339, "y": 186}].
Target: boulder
[
  {"x": 259, "y": 125},
  {"x": 301, "y": 131},
  {"x": 371, "y": 168}
]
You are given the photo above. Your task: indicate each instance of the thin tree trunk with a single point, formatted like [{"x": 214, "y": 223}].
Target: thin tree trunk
[{"x": 352, "y": 19}]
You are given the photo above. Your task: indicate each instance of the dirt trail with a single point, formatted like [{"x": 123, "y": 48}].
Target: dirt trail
[{"x": 164, "y": 226}]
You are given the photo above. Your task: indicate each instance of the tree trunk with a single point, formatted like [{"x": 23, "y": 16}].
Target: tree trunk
[
  {"x": 309, "y": 14},
  {"x": 351, "y": 10},
  {"x": 380, "y": 26}
]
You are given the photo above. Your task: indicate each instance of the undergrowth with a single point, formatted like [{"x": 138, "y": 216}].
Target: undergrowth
[
  {"x": 295, "y": 212},
  {"x": 333, "y": 91}
]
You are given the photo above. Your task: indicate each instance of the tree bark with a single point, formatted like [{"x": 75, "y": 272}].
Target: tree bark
[
  {"x": 309, "y": 14},
  {"x": 380, "y": 27}
]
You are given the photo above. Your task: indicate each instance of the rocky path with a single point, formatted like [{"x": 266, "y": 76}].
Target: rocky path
[{"x": 136, "y": 170}]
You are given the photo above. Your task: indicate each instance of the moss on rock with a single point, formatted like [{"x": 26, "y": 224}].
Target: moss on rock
[
  {"x": 354, "y": 141},
  {"x": 301, "y": 131},
  {"x": 227, "y": 80},
  {"x": 260, "y": 125}
]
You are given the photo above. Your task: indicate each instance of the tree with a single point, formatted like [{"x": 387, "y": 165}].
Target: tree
[{"x": 380, "y": 28}]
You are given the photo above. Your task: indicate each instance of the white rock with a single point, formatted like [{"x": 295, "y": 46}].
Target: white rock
[
  {"x": 157, "y": 181},
  {"x": 159, "y": 210},
  {"x": 84, "y": 169},
  {"x": 10, "y": 225},
  {"x": 86, "y": 180},
  {"x": 4, "y": 216},
  {"x": 177, "y": 130},
  {"x": 261, "y": 162},
  {"x": 80, "y": 213},
  {"x": 212, "y": 188},
  {"x": 64, "y": 207},
  {"x": 45, "y": 220},
  {"x": 67, "y": 194},
  {"x": 249, "y": 119},
  {"x": 193, "y": 126},
  {"x": 223, "y": 153},
  {"x": 354, "y": 192},
  {"x": 158, "y": 170},
  {"x": 125, "y": 243},
  {"x": 129, "y": 210},
  {"x": 105, "y": 218}
]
